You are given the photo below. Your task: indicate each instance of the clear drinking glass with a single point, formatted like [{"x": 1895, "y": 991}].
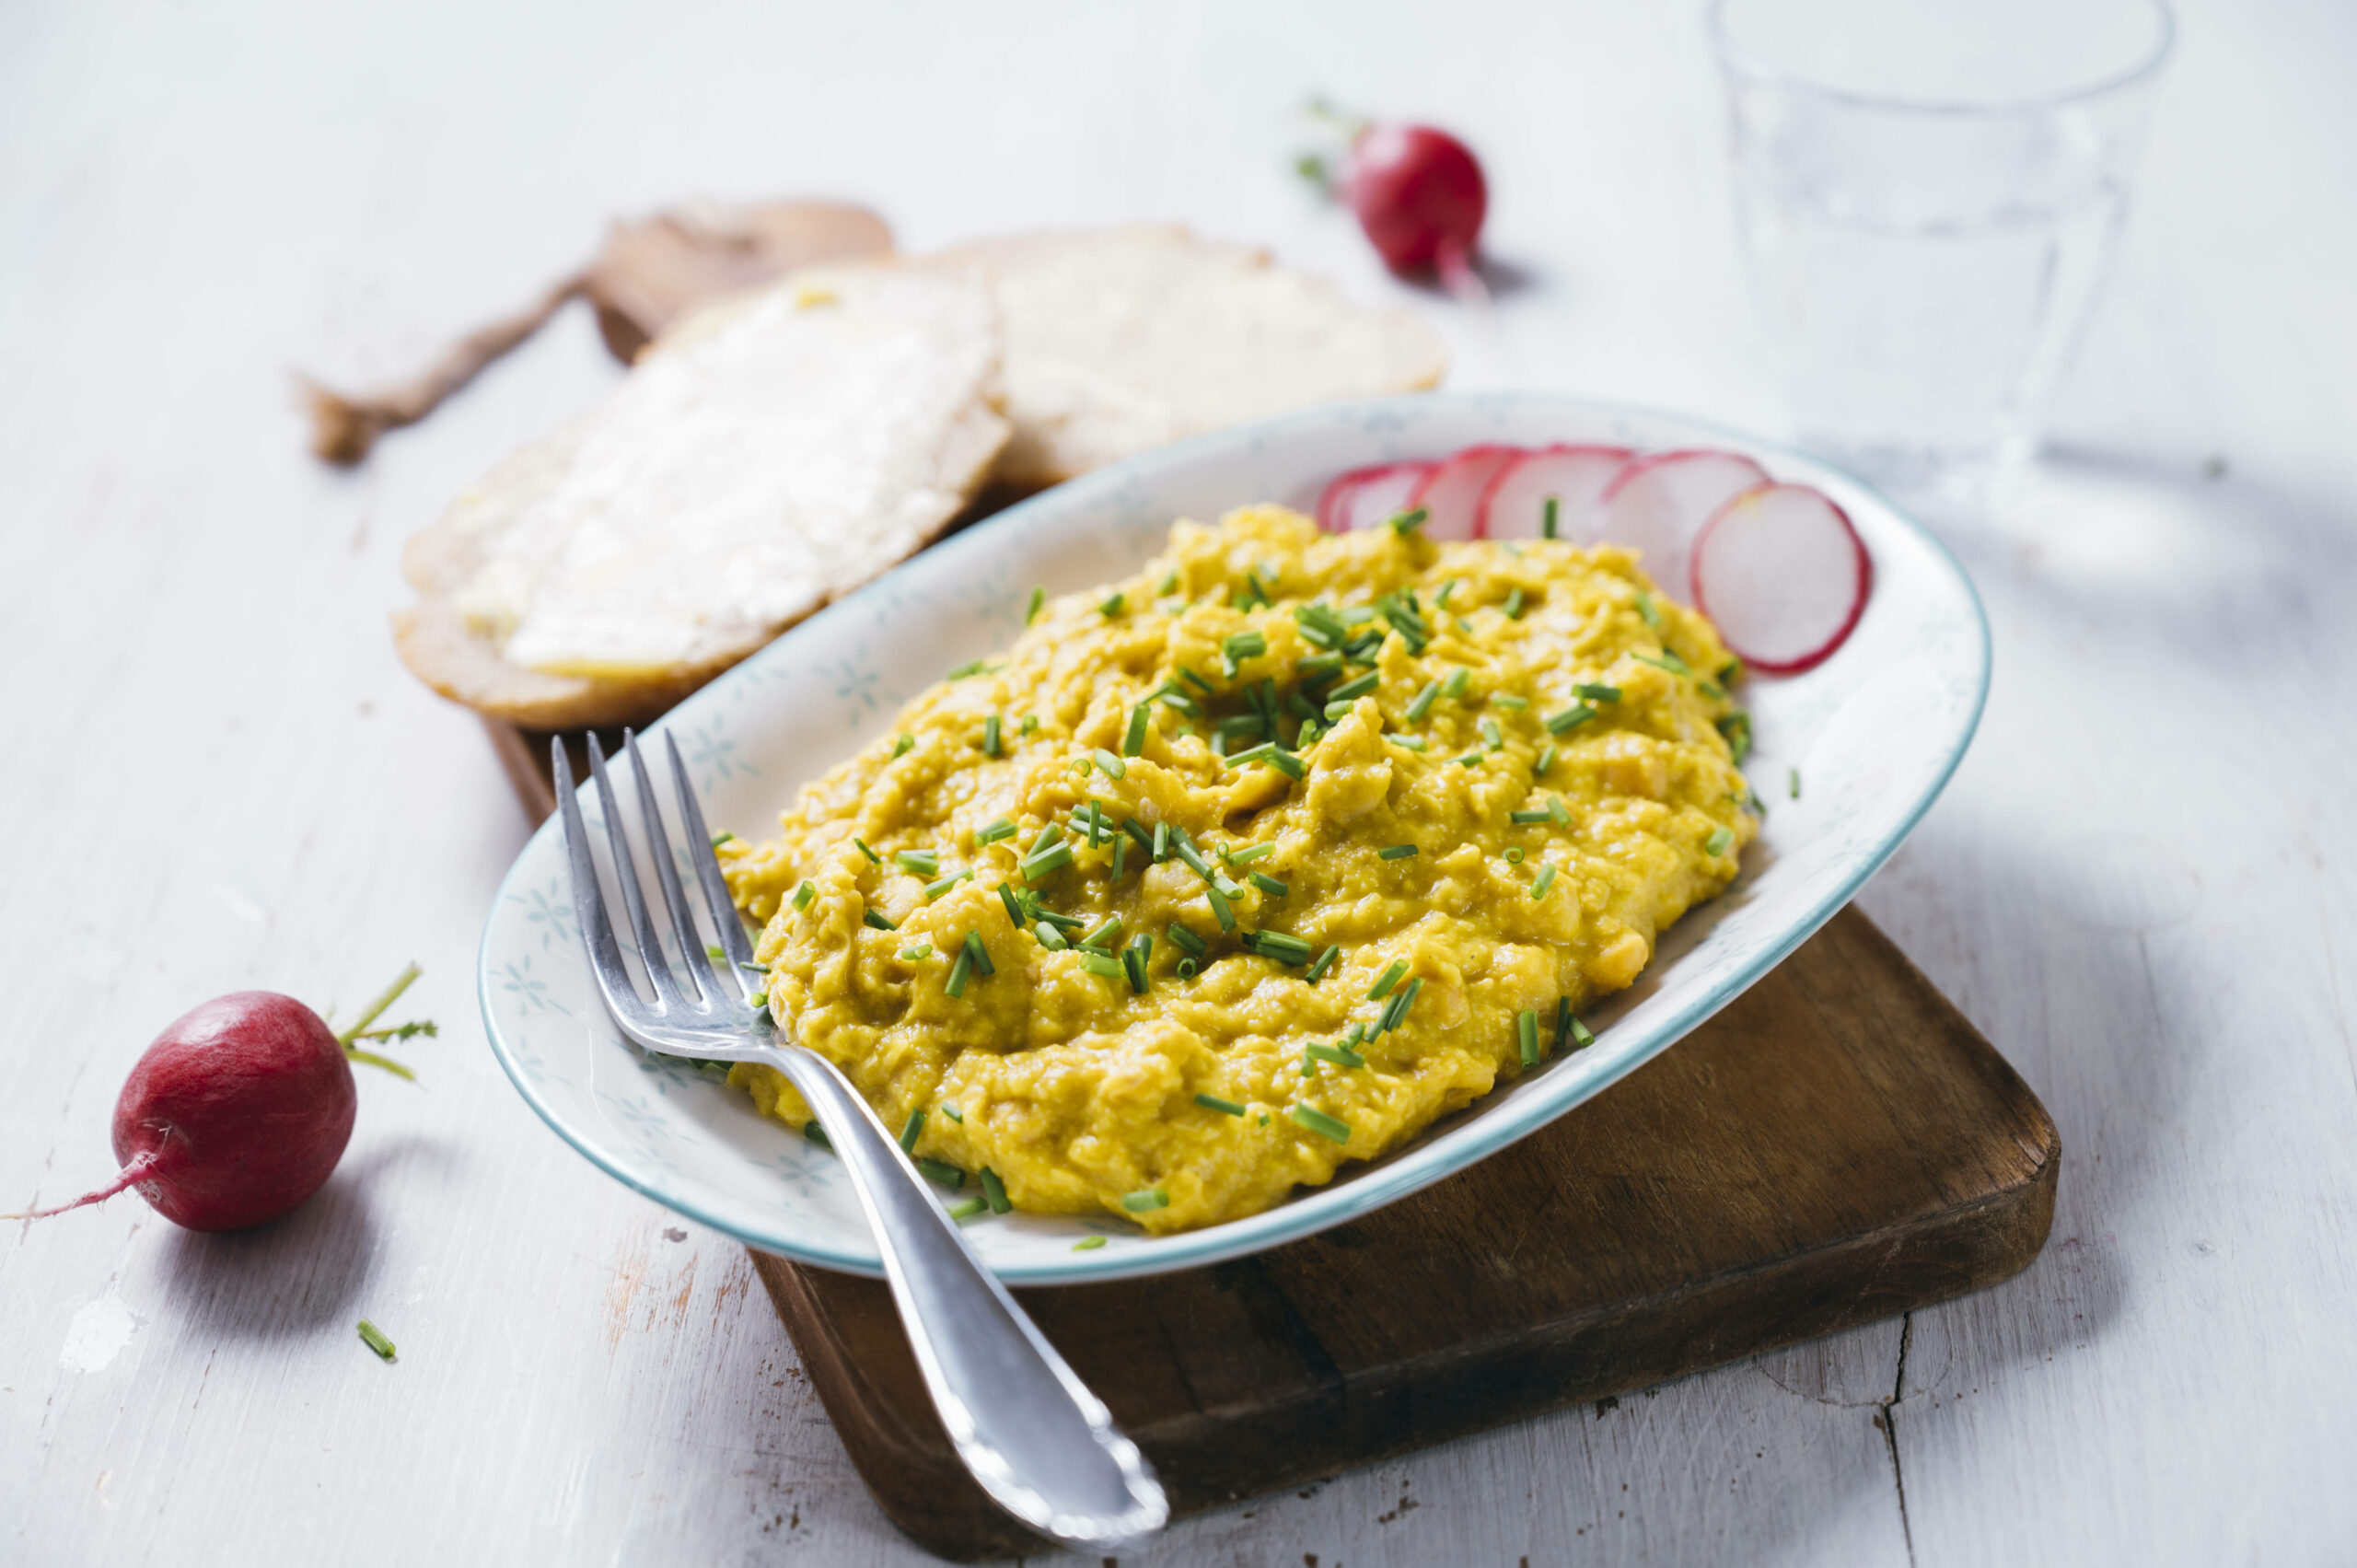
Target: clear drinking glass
[{"x": 1928, "y": 193}]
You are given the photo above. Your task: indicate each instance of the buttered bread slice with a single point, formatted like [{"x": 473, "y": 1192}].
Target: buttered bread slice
[
  {"x": 1120, "y": 340},
  {"x": 766, "y": 456}
]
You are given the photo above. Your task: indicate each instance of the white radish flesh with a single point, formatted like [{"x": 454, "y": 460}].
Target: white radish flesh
[
  {"x": 1659, "y": 503},
  {"x": 1364, "y": 497},
  {"x": 1783, "y": 575},
  {"x": 1574, "y": 478},
  {"x": 1452, "y": 493}
]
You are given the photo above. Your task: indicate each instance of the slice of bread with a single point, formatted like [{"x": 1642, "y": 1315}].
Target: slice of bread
[
  {"x": 1120, "y": 340},
  {"x": 766, "y": 456}
]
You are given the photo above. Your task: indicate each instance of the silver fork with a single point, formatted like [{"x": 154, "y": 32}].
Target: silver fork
[{"x": 1040, "y": 1443}]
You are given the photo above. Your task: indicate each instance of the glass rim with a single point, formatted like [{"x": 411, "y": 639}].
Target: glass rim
[{"x": 1738, "y": 62}]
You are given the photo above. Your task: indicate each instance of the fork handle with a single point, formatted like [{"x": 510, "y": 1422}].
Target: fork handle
[{"x": 1040, "y": 1444}]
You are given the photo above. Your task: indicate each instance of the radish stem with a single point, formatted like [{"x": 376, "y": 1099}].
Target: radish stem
[{"x": 391, "y": 994}]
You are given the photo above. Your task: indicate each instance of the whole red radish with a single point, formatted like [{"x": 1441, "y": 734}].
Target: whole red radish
[
  {"x": 239, "y": 1109},
  {"x": 1420, "y": 196}
]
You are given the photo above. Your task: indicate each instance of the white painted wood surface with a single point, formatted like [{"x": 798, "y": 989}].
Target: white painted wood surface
[{"x": 2138, "y": 886}]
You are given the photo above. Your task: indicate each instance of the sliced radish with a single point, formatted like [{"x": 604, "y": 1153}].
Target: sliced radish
[
  {"x": 1452, "y": 493},
  {"x": 1364, "y": 498},
  {"x": 1783, "y": 575},
  {"x": 1574, "y": 478},
  {"x": 1659, "y": 503}
]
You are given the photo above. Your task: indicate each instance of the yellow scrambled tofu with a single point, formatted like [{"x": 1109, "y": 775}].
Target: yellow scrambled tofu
[{"x": 1258, "y": 862}]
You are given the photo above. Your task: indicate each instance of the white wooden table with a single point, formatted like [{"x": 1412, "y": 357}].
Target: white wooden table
[{"x": 2140, "y": 885}]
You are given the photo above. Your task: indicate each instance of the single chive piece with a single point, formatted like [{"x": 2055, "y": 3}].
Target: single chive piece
[
  {"x": 1558, "y": 810},
  {"x": 1185, "y": 940},
  {"x": 1596, "y": 691},
  {"x": 1269, "y": 885},
  {"x": 970, "y": 668},
  {"x": 1546, "y": 761},
  {"x": 1547, "y": 518},
  {"x": 1133, "y": 743},
  {"x": 1525, "y": 1026},
  {"x": 1148, "y": 1198},
  {"x": 991, "y": 736},
  {"x": 877, "y": 920},
  {"x": 1161, "y": 844},
  {"x": 1243, "y": 645},
  {"x": 1793, "y": 783},
  {"x": 1395, "y": 852},
  {"x": 942, "y": 1171},
  {"x": 1489, "y": 733},
  {"x": 1219, "y": 909},
  {"x": 712, "y": 950},
  {"x": 1107, "y": 928},
  {"x": 1113, "y": 767},
  {"x": 1049, "y": 859},
  {"x": 803, "y": 894},
  {"x": 1665, "y": 660},
  {"x": 994, "y": 1190},
  {"x": 1325, "y": 1126},
  {"x": 1351, "y": 691},
  {"x": 918, "y": 952},
  {"x": 1513, "y": 854},
  {"x": 1015, "y": 915},
  {"x": 1470, "y": 760},
  {"x": 1407, "y": 522},
  {"x": 1513, "y": 605},
  {"x": 1580, "y": 1034},
  {"x": 1197, "y": 682},
  {"x": 375, "y": 1338},
  {"x": 1192, "y": 858},
  {"x": 1387, "y": 980},
  {"x": 1463, "y": 625},
  {"x": 1064, "y": 923},
  {"x": 980, "y": 954},
  {"x": 1397, "y": 1013},
  {"x": 1186, "y": 970},
  {"x": 873, "y": 858},
  {"x": 1422, "y": 705},
  {"x": 958, "y": 972},
  {"x": 997, "y": 828},
  {"x": 719, "y": 839},
  {"x": 1089, "y": 1244},
  {"x": 952, "y": 1112},
  {"x": 903, "y": 746},
  {"x": 1121, "y": 853},
  {"x": 967, "y": 1208},
  {"x": 1213, "y": 1102},
  {"x": 1650, "y": 616},
  {"x": 910, "y": 1129},
  {"x": 1249, "y": 853},
  {"x": 1325, "y": 961},
  {"x": 1105, "y": 966},
  {"x": 1318, "y": 667},
  {"x": 1508, "y": 699},
  {"x": 1564, "y": 1022},
  {"x": 1458, "y": 680},
  {"x": 935, "y": 890},
  {"x": 1717, "y": 843},
  {"x": 1340, "y": 1055},
  {"x": 818, "y": 1134},
  {"x": 1031, "y": 723},
  {"x": 1134, "y": 958},
  {"x": 1225, "y": 888},
  {"x": 1524, "y": 818},
  {"x": 1412, "y": 742},
  {"x": 922, "y": 862},
  {"x": 1169, "y": 584},
  {"x": 1570, "y": 719},
  {"x": 1544, "y": 880},
  {"x": 741, "y": 963},
  {"x": 1049, "y": 937},
  {"x": 1039, "y": 602},
  {"x": 1277, "y": 945},
  {"x": 1112, "y": 606}
]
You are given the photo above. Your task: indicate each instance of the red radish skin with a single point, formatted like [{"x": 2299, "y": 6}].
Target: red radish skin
[
  {"x": 1782, "y": 575},
  {"x": 1364, "y": 498},
  {"x": 234, "y": 1115},
  {"x": 1452, "y": 493},
  {"x": 1515, "y": 506},
  {"x": 1659, "y": 504},
  {"x": 1420, "y": 198}
]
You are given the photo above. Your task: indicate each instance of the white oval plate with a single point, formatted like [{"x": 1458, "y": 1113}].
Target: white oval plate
[{"x": 1874, "y": 732}]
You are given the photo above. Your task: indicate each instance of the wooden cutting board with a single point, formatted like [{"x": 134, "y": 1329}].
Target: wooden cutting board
[{"x": 1839, "y": 1146}]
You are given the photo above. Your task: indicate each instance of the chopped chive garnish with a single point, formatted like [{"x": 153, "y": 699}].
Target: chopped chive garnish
[
  {"x": 712, "y": 950},
  {"x": 1791, "y": 783},
  {"x": 1558, "y": 810},
  {"x": 1213, "y": 1102},
  {"x": 1049, "y": 937},
  {"x": 952, "y": 1112},
  {"x": 1243, "y": 645},
  {"x": 997, "y": 828},
  {"x": 1325, "y": 961},
  {"x": 1513, "y": 854},
  {"x": 922, "y": 862},
  {"x": 719, "y": 839},
  {"x": 1277, "y": 945},
  {"x": 1396, "y": 1012},
  {"x": 1317, "y": 668},
  {"x": 1407, "y": 522},
  {"x": 1103, "y": 965},
  {"x": 1580, "y": 1035},
  {"x": 942, "y": 1171},
  {"x": 1038, "y": 601},
  {"x": 1186, "y": 970},
  {"x": 1107, "y": 763},
  {"x": 1049, "y": 859},
  {"x": 1387, "y": 980},
  {"x": 1665, "y": 660},
  {"x": 1489, "y": 733},
  {"x": 873, "y": 858},
  {"x": 1169, "y": 584},
  {"x": 875, "y": 919},
  {"x": 1508, "y": 699},
  {"x": 935, "y": 890},
  {"x": 1395, "y": 852},
  {"x": 1325, "y": 1126},
  {"x": 918, "y": 952},
  {"x": 1249, "y": 853},
  {"x": 803, "y": 894},
  {"x": 1524, "y": 818},
  {"x": 994, "y": 1190},
  {"x": 1546, "y": 761},
  {"x": 1544, "y": 880},
  {"x": 1275, "y": 756},
  {"x": 1570, "y": 719},
  {"x": 1458, "y": 680},
  {"x": 1718, "y": 841},
  {"x": 1562, "y": 1021},
  {"x": 991, "y": 743},
  {"x": 1066, "y": 923},
  {"x": 1340, "y": 1055},
  {"x": 1269, "y": 885},
  {"x": 1197, "y": 682},
  {"x": 1141, "y": 1202},
  {"x": 750, "y": 964},
  {"x": 1102, "y": 936},
  {"x": 1513, "y": 605},
  {"x": 1547, "y": 518},
  {"x": 910, "y": 1129},
  {"x": 1412, "y": 742},
  {"x": 1422, "y": 705},
  {"x": 970, "y": 668},
  {"x": 1030, "y": 722},
  {"x": 1161, "y": 845},
  {"x": 967, "y": 1208},
  {"x": 1353, "y": 689},
  {"x": 1645, "y": 610},
  {"x": 1192, "y": 858},
  {"x": 1133, "y": 743},
  {"x": 980, "y": 954},
  {"x": 1525, "y": 1026},
  {"x": 374, "y": 1338},
  {"x": 1089, "y": 1244},
  {"x": 1596, "y": 692},
  {"x": 1185, "y": 940},
  {"x": 958, "y": 972},
  {"x": 1134, "y": 958},
  {"x": 1015, "y": 915},
  {"x": 1220, "y": 910},
  {"x": 1470, "y": 760},
  {"x": 818, "y": 1134},
  {"x": 1112, "y": 606}
]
